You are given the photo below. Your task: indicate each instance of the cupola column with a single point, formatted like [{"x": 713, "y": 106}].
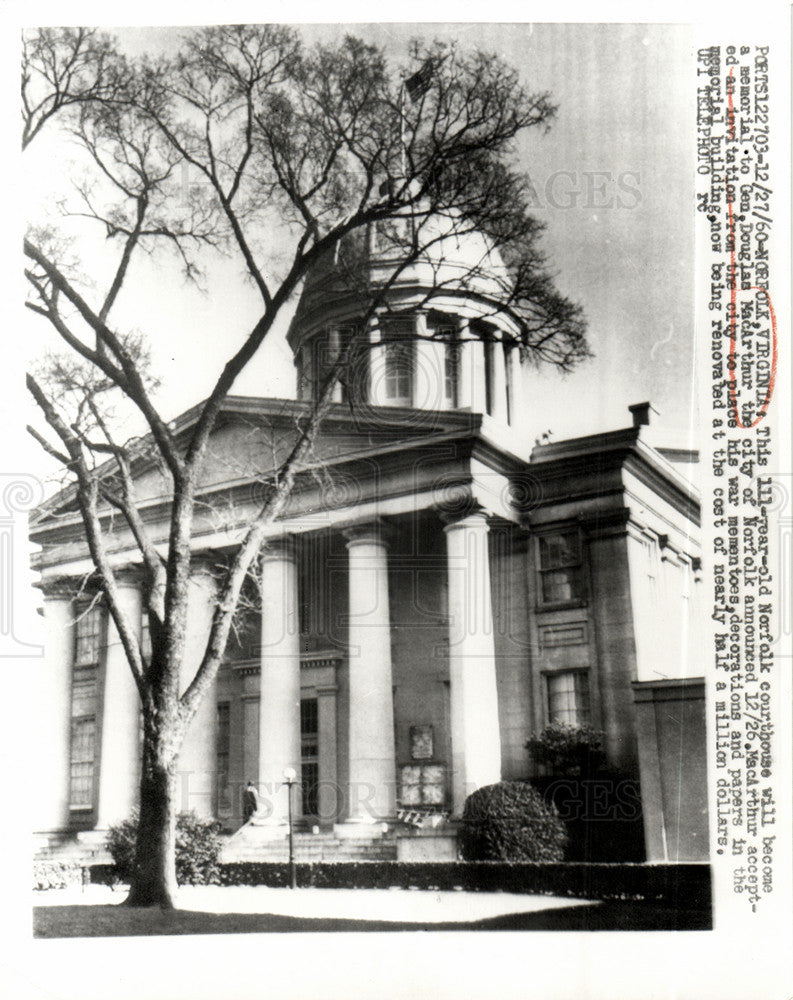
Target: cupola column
[
  {"x": 471, "y": 371},
  {"x": 498, "y": 374},
  {"x": 377, "y": 366},
  {"x": 429, "y": 369},
  {"x": 514, "y": 385}
]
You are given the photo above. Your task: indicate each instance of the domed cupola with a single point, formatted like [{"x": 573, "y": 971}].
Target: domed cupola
[{"x": 435, "y": 337}]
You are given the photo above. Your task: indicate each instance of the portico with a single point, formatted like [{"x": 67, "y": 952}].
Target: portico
[{"x": 405, "y": 644}]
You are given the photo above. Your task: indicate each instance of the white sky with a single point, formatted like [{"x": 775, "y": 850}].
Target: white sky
[{"x": 614, "y": 182}]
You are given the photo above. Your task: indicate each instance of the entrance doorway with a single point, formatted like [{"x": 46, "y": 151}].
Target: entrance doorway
[{"x": 309, "y": 755}]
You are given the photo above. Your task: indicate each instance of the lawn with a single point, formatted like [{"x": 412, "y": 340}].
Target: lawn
[{"x": 119, "y": 921}]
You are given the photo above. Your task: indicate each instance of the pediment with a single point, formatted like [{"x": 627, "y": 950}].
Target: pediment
[{"x": 253, "y": 437}]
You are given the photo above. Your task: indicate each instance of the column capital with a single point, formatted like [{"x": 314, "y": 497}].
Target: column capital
[
  {"x": 375, "y": 532},
  {"x": 130, "y": 575},
  {"x": 62, "y": 588},
  {"x": 205, "y": 561},
  {"x": 280, "y": 548},
  {"x": 475, "y": 519}
]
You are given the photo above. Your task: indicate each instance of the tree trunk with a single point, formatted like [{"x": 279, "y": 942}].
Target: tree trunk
[{"x": 154, "y": 869}]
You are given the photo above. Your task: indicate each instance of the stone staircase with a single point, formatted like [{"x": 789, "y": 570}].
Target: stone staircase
[
  {"x": 86, "y": 847},
  {"x": 247, "y": 845}
]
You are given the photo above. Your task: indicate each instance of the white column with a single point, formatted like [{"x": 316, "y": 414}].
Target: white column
[
  {"x": 372, "y": 755},
  {"x": 515, "y": 383},
  {"x": 197, "y": 764},
  {"x": 471, "y": 378},
  {"x": 376, "y": 368},
  {"x": 279, "y": 704},
  {"x": 499, "y": 407},
  {"x": 119, "y": 763},
  {"x": 476, "y": 739},
  {"x": 52, "y": 718},
  {"x": 429, "y": 369}
]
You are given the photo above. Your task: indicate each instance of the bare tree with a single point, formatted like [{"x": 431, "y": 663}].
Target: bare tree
[{"x": 302, "y": 154}]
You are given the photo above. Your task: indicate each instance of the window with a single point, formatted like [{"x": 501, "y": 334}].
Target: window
[
  {"x": 305, "y": 373},
  {"x": 309, "y": 755},
  {"x": 81, "y": 786},
  {"x": 327, "y": 348},
  {"x": 451, "y": 371},
  {"x": 399, "y": 371},
  {"x": 561, "y": 570},
  {"x": 88, "y": 637},
  {"x": 568, "y": 698},
  {"x": 223, "y": 753},
  {"x": 85, "y": 698},
  {"x": 318, "y": 359}
]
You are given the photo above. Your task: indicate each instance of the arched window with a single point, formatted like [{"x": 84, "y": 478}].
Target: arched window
[{"x": 399, "y": 356}]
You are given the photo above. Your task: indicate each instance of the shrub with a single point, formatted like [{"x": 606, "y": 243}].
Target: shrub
[
  {"x": 568, "y": 750},
  {"x": 509, "y": 821},
  {"x": 56, "y": 874},
  {"x": 121, "y": 845},
  {"x": 197, "y": 849}
]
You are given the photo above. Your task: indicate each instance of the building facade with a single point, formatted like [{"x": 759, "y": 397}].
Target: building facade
[{"x": 437, "y": 590}]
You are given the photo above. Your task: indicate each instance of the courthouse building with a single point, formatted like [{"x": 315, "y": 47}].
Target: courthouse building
[{"x": 440, "y": 587}]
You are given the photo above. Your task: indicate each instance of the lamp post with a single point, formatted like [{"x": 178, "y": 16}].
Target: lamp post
[{"x": 290, "y": 776}]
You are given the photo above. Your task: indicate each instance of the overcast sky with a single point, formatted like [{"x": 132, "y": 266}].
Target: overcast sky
[{"x": 613, "y": 181}]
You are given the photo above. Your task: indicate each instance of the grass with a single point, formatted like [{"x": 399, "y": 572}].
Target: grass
[{"x": 121, "y": 921}]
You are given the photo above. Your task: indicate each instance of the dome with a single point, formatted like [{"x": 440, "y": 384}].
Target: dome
[
  {"x": 440, "y": 338},
  {"x": 459, "y": 273}
]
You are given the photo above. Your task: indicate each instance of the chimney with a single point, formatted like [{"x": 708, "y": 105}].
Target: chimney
[{"x": 642, "y": 414}]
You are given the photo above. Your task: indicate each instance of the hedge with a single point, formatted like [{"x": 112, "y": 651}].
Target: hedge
[
  {"x": 686, "y": 885},
  {"x": 57, "y": 874}
]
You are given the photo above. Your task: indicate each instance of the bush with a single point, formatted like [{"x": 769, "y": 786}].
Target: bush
[
  {"x": 121, "y": 845},
  {"x": 568, "y": 750},
  {"x": 56, "y": 874},
  {"x": 198, "y": 847},
  {"x": 509, "y": 821}
]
